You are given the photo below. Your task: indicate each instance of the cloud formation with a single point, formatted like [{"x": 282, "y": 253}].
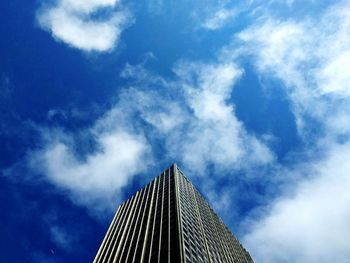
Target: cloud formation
[
  {"x": 308, "y": 222},
  {"x": 215, "y": 135},
  {"x": 79, "y": 24},
  {"x": 220, "y": 18},
  {"x": 96, "y": 176},
  {"x": 191, "y": 115},
  {"x": 311, "y": 223},
  {"x": 309, "y": 56},
  {"x": 194, "y": 116}
]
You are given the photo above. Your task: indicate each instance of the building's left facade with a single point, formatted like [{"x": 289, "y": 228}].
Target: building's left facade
[{"x": 145, "y": 227}]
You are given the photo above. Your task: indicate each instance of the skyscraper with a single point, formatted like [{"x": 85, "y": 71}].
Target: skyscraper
[{"x": 169, "y": 221}]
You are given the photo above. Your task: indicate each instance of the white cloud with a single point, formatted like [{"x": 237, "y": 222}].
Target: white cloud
[
  {"x": 311, "y": 225},
  {"x": 163, "y": 114},
  {"x": 191, "y": 114},
  {"x": 214, "y": 134},
  {"x": 219, "y": 19},
  {"x": 194, "y": 116},
  {"x": 309, "y": 56},
  {"x": 97, "y": 177},
  {"x": 72, "y": 22},
  {"x": 87, "y": 6},
  {"x": 309, "y": 222},
  {"x": 219, "y": 14}
]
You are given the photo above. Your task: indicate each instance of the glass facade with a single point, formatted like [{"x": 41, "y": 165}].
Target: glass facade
[{"x": 169, "y": 221}]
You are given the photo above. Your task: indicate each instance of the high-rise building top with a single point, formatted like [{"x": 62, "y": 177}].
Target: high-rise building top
[{"x": 169, "y": 221}]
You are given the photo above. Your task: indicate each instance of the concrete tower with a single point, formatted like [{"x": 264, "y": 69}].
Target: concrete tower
[{"x": 169, "y": 221}]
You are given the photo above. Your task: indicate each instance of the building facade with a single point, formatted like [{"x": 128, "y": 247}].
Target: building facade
[{"x": 169, "y": 221}]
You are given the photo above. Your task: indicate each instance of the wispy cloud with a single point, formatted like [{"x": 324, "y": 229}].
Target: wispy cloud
[
  {"x": 191, "y": 114},
  {"x": 220, "y": 14},
  {"x": 194, "y": 116},
  {"x": 96, "y": 175},
  {"x": 220, "y": 18},
  {"x": 309, "y": 56},
  {"x": 307, "y": 223},
  {"x": 78, "y": 24},
  {"x": 215, "y": 135},
  {"x": 310, "y": 223}
]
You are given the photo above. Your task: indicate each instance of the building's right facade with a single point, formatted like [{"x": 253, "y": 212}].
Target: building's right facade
[{"x": 169, "y": 221}]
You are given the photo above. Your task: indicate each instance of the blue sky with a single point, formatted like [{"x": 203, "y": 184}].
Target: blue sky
[{"x": 250, "y": 98}]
